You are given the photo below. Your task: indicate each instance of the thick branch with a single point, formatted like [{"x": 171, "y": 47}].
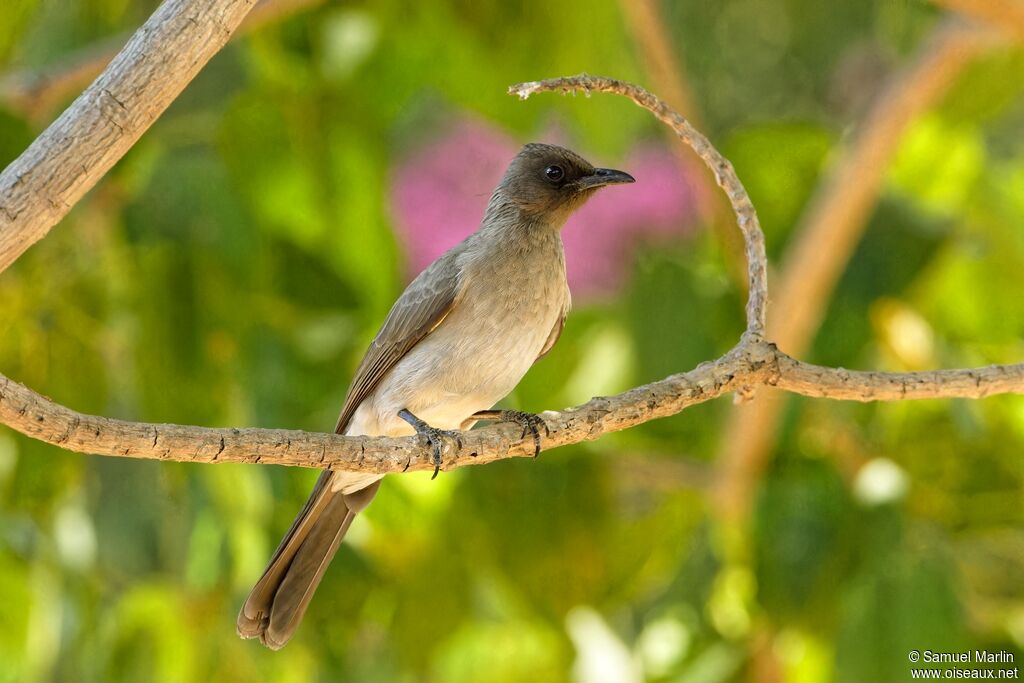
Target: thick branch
[
  {"x": 63, "y": 163},
  {"x": 42, "y": 419},
  {"x": 35, "y": 92},
  {"x": 752, "y": 363}
]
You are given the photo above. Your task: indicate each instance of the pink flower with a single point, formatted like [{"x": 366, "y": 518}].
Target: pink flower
[{"x": 440, "y": 192}]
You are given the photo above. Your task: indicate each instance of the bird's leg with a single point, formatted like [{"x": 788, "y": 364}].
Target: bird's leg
[
  {"x": 530, "y": 423},
  {"x": 433, "y": 436}
]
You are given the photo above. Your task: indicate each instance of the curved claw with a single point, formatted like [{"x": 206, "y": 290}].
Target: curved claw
[
  {"x": 433, "y": 437},
  {"x": 436, "y": 438},
  {"x": 530, "y": 423}
]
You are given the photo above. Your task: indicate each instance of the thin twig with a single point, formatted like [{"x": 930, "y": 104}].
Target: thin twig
[
  {"x": 725, "y": 176},
  {"x": 751, "y": 363}
]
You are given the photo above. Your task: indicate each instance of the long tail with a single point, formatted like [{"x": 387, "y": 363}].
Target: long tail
[{"x": 277, "y": 603}]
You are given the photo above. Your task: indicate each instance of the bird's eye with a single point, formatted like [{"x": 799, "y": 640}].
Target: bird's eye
[{"x": 554, "y": 173}]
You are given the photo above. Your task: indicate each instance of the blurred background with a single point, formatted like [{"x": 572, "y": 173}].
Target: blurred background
[{"x": 233, "y": 266}]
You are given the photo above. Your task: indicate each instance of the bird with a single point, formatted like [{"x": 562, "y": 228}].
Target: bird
[{"x": 455, "y": 343}]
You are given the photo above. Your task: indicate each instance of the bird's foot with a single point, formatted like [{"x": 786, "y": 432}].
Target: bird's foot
[
  {"x": 531, "y": 424},
  {"x": 438, "y": 439}
]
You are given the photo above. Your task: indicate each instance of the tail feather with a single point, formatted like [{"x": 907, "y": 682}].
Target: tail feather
[{"x": 277, "y": 603}]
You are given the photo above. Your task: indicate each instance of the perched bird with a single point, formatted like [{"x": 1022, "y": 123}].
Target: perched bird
[{"x": 459, "y": 339}]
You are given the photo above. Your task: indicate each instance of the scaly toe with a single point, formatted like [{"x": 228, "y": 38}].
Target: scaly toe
[
  {"x": 439, "y": 439},
  {"x": 531, "y": 425}
]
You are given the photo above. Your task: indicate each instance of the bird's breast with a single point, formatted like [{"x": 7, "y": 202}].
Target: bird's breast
[{"x": 476, "y": 356}]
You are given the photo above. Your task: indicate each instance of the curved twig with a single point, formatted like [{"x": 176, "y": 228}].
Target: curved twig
[
  {"x": 725, "y": 176},
  {"x": 751, "y": 363}
]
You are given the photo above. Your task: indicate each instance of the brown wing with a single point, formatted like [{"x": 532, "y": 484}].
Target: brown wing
[
  {"x": 420, "y": 309},
  {"x": 556, "y": 332}
]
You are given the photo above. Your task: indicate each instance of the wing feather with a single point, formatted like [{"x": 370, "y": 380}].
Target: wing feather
[
  {"x": 422, "y": 307},
  {"x": 553, "y": 336}
]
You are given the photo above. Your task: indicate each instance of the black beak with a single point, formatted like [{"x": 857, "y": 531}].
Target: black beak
[{"x": 604, "y": 176}]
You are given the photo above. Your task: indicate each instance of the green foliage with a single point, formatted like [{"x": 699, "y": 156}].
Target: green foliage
[
  {"x": 231, "y": 269},
  {"x": 779, "y": 164},
  {"x": 802, "y": 535}
]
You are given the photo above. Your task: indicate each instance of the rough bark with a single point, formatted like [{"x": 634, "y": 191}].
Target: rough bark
[
  {"x": 753, "y": 362},
  {"x": 750, "y": 364},
  {"x": 76, "y": 150},
  {"x": 36, "y": 92}
]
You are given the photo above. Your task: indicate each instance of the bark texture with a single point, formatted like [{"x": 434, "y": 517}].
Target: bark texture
[
  {"x": 69, "y": 157},
  {"x": 76, "y": 150}
]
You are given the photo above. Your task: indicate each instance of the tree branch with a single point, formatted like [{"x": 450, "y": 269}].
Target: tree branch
[
  {"x": 850, "y": 385},
  {"x": 77, "y": 149},
  {"x": 751, "y": 363},
  {"x": 725, "y": 176},
  {"x": 35, "y": 92},
  {"x": 42, "y": 419}
]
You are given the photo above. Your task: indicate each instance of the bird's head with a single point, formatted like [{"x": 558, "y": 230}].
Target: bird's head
[{"x": 550, "y": 182}]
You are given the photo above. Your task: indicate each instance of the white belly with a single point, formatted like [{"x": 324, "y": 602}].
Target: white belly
[
  {"x": 476, "y": 356},
  {"x": 469, "y": 363}
]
